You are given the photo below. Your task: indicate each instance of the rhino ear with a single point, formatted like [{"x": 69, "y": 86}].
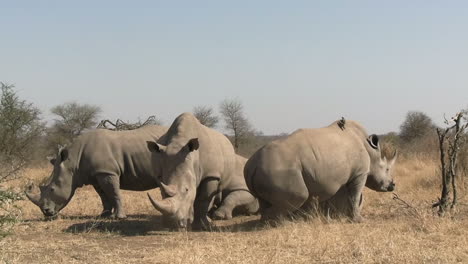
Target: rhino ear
[
  {"x": 373, "y": 141},
  {"x": 51, "y": 159},
  {"x": 63, "y": 155},
  {"x": 193, "y": 144},
  {"x": 393, "y": 159},
  {"x": 155, "y": 147}
]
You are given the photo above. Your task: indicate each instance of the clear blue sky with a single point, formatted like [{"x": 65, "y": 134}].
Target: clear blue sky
[{"x": 292, "y": 63}]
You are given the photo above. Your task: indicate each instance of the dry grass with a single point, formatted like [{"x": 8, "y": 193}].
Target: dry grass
[{"x": 393, "y": 232}]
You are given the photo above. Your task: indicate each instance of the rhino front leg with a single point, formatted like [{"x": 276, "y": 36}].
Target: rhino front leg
[
  {"x": 241, "y": 200},
  {"x": 206, "y": 193},
  {"x": 110, "y": 184},
  {"x": 106, "y": 203},
  {"x": 355, "y": 195}
]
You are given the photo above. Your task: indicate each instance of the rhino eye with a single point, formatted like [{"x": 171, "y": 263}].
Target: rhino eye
[{"x": 52, "y": 189}]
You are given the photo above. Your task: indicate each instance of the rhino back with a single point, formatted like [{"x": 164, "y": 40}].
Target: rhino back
[
  {"x": 123, "y": 153},
  {"x": 326, "y": 157}
]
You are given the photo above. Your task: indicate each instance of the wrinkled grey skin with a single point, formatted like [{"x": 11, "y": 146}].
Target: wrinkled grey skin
[
  {"x": 289, "y": 174},
  {"x": 200, "y": 168},
  {"x": 235, "y": 198},
  {"x": 108, "y": 160}
]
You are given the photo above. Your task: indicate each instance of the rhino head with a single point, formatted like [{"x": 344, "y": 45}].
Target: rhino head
[
  {"x": 58, "y": 191},
  {"x": 380, "y": 174},
  {"x": 180, "y": 172}
]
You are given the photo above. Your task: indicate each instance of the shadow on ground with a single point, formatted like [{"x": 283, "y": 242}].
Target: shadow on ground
[
  {"x": 133, "y": 225},
  {"x": 248, "y": 225},
  {"x": 140, "y": 225}
]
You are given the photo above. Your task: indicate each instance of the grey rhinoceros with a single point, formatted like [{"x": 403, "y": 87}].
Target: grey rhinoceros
[
  {"x": 200, "y": 164},
  {"x": 289, "y": 174},
  {"x": 108, "y": 160}
]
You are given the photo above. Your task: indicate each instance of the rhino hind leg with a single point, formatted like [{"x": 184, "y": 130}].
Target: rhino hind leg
[
  {"x": 240, "y": 202},
  {"x": 206, "y": 194},
  {"x": 106, "y": 203},
  {"x": 111, "y": 187},
  {"x": 284, "y": 198}
]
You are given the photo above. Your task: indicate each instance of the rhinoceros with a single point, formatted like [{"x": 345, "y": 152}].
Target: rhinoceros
[
  {"x": 289, "y": 174},
  {"x": 199, "y": 165},
  {"x": 108, "y": 160}
]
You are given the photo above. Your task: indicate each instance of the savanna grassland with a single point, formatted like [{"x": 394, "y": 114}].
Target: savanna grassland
[{"x": 394, "y": 232}]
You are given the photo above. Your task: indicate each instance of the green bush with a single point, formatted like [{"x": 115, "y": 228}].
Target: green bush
[{"x": 9, "y": 212}]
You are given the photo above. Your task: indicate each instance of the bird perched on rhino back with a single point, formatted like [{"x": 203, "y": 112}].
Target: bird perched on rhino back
[
  {"x": 107, "y": 160},
  {"x": 199, "y": 163}
]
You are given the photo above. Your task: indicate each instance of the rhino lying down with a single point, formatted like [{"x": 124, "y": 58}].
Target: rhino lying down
[
  {"x": 288, "y": 174},
  {"x": 108, "y": 160},
  {"x": 199, "y": 165}
]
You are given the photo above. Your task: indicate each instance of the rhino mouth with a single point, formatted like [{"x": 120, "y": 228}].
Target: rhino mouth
[
  {"x": 48, "y": 213},
  {"x": 389, "y": 188}
]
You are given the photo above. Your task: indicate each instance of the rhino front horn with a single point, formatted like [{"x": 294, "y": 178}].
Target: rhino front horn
[
  {"x": 164, "y": 206},
  {"x": 32, "y": 197}
]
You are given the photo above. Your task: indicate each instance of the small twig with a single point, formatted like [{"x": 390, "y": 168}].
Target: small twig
[{"x": 415, "y": 211}]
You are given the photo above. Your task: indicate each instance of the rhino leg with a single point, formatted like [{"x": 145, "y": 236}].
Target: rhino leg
[
  {"x": 111, "y": 186},
  {"x": 341, "y": 204},
  {"x": 241, "y": 201},
  {"x": 106, "y": 203},
  {"x": 355, "y": 195},
  {"x": 206, "y": 193}
]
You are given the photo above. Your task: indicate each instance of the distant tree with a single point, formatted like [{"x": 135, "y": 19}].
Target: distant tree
[
  {"x": 451, "y": 140},
  {"x": 20, "y": 130},
  {"x": 232, "y": 111},
  {"x": 205, "y": 115},
  {"x": 72, "y": 119},
  {"x": 416, "y": 125}
]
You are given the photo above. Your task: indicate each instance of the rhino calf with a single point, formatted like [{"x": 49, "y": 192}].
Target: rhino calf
[
  {"x": 108, "y": 160},
  {"x": 288, "y": 174}
]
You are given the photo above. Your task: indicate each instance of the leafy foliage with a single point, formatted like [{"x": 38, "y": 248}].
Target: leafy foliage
[
  {"x": 20, "y": 130},
  {"x": 9, "y": 213},
  {"x": 416, "y": 125},
  {"x": 72, "y": 120}
]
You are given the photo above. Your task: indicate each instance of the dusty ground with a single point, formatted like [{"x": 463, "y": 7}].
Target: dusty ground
[{"x": 392, "y": 232}]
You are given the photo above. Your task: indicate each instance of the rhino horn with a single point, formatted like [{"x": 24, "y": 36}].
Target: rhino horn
[
  {"x": 35, "y": 198},
  {"x": 165, "y": 206},
  {"x": 170, "y": 190}
]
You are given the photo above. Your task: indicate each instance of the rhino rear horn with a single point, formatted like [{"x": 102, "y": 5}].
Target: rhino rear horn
[
  {"x": 168, "y": 189},
  {"x": 164, "y": 206}
]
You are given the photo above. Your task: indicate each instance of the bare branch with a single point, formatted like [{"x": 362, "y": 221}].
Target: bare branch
[
  {"x": 120, "y": 125},
  {"x": 206, "y": 116},
  {"x": 232, "y": 111}
]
